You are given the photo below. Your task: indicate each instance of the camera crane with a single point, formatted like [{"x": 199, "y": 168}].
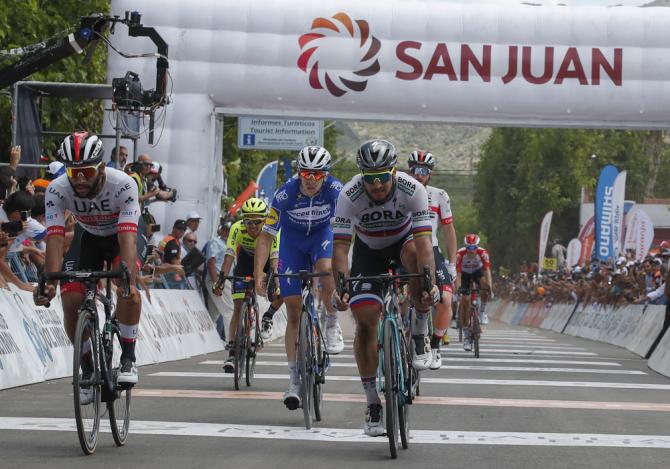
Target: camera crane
[{"x": 128, "y": 93}]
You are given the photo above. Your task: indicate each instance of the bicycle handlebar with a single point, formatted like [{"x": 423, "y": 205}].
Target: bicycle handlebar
[
  {"x": 427, "y": 283},
  {"x": 88, "y": 276}
]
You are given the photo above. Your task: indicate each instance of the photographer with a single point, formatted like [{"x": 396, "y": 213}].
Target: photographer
[{"x": 18, "y": 226}]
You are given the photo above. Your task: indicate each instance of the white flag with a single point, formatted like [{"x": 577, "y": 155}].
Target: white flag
[
  {"x": 618, "y": 197},
  {"x": 574, "y": 250},
  {"x": 544, "y": 236}
]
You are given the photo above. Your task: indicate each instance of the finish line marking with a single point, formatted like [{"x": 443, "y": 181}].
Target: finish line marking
[
  {"x": 493, "y": 382},
  {"x": 450, "y": 359},
  {"x": 348, "y": 435},
  {"x": 466, "y": 367},
  {"x": 420, "y": 400}
]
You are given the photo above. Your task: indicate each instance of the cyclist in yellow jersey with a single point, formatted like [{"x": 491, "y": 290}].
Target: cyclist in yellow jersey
[{"x": 241, "y": 246}]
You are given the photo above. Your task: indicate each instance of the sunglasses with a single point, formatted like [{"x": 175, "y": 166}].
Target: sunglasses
[
  {"x": 471, "y": 248},
  {"x": 316, "y": 175},
  {"x": 418, "y": 170},
  {"x": 252, "y": 222},
  {"x": 87, "y": 171},
  {"x": 381, "y": 177},
  {"x": 189, "y": 240}
]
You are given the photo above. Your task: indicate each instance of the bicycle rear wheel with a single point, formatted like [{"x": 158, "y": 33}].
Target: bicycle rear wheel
[
  {"x": 306, "y": 362},
  {"x": 119, "y": 407},
  {"x": 390, "y": 368},
  {"x": 476, "y": 331},
  {"x": 253, "y": 339},
  {"x": 241, "y": 347},
  {"x": 405, "y": 393},
  {"x": 86, "y": 381}
]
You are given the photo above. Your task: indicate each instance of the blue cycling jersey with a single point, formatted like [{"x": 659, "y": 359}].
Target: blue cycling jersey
[{"x": 294, "y": 210}]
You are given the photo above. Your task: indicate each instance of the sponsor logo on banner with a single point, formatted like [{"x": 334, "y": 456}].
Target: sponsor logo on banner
[
  {"x": 346, "y": 45},
  {"x": 604, "y": 213},
  {"x": 326, "y": 32},
  {"x": 587, "y": 238}
]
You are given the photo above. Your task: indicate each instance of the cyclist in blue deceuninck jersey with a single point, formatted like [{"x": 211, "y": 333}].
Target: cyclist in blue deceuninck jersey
[{"x": 302, "y": 208}]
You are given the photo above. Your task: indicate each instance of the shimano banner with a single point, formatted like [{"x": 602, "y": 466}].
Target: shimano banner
[{"x": 604, "y": 213}]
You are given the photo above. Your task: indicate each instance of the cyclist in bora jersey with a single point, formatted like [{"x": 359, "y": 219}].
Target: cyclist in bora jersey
[{"x": 388, "y": 211}]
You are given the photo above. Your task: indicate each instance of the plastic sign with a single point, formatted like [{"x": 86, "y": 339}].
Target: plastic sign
[
  {"x": 550, "y": 263},
  {"x": 278, "y": 133}
]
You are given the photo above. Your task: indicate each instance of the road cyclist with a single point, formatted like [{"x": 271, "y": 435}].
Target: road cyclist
[
  {"x": 473, "y": 266},
  {"x": 241, "y": 248},
  {"x": 387, "y": 210},
  {"x": 421, "y": 164},
  {"x": 302, "y": 208}
]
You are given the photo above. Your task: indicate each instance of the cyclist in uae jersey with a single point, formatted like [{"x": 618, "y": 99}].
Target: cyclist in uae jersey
[
  {"x": 104, "y": 201},
  {"x": 420, "y": 167},
  {"x": 387, "y": 210},
  {"x": 241, "y": 247},
  {"x": 303, "y": 208},
  {"x": 473, "y": 265}
]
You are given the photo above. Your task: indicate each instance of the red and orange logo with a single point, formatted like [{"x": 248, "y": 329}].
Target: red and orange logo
[{"x": 331, "y": 33}]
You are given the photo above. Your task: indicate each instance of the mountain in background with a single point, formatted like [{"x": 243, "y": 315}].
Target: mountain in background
[{"x": 455, "y": 147}]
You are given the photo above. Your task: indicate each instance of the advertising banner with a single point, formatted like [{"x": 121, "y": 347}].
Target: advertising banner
[
  {"x": 587, "y": 239},
  {"x": 643, "y": 233},
  {"x": 604, "y": 213},
  {"x": 267, "y": 181},
  {"x": 574, "y": 251},
  {"x": 618, "y": 198},
  {"x": 544, "y": 236}
]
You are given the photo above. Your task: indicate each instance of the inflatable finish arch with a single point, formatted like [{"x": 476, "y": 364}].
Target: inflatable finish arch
[{"x": 485, "y": 64}]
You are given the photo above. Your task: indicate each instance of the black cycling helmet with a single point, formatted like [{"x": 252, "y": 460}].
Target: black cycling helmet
[
  {"x": 81, "y": 149},
  {"x": 376, "y": 155}
]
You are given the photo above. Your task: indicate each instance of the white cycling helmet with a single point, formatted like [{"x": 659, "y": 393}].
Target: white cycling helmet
[
  {"x": 314, "y": 158},
  {"x": 421, "y": 157},
  {"x": 81, "y": 149}
]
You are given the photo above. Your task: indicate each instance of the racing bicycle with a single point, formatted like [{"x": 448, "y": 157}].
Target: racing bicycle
[
  {"x": 313, "y": 360},
  {"x": 95, "y": 371}
]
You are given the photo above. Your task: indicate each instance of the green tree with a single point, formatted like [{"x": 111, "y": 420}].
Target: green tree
[
  {"x": 33, "y": 21},
  {"x": 523, "y": 173}
]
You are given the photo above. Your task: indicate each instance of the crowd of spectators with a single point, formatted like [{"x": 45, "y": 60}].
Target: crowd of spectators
[
  {"x": 184, "y": 259},
  {"x": 623, "y": 282}
]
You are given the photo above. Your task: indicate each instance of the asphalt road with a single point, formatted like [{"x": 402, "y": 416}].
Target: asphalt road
[{"x": 534, "y": 399}]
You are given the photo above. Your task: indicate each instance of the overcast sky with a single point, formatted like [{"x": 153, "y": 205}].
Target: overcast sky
[{"x": 571, "y": 3}]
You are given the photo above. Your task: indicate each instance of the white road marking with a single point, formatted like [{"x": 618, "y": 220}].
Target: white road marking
[
  {"x": 348, "y": 435},
  {"x": 474, "y": 368},
  {"x": 530, "y": 351},
  {"x": 427, "y": 380}
]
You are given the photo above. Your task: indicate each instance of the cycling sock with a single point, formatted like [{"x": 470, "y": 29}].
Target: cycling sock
[
  {"x": 482, "y": 308},
  {"x": 331, "y": 319},
  {"x": 269, "y": 314},
  {"x": 370, "y": 388},
  {"x": 421, "y": 323},
  {"x": 294, "y": 372},
  {"x": 439, "y": 332},
  {"x": 128, "y": 338},
  {"x": 435, "y": 341},
  {"x": 231, "y": 349}
]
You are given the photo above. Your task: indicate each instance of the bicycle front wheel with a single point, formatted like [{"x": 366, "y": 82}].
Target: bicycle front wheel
[
  {"x": 405, "y": 393},
  {"x": 241, "y": 346},
  {"x": 86, "y": 381},
  {"x": 319, "y": 373},
  {"x": 476, "y": 332},
  {"x": 119, "y": 407},
  {"x": 253, "y": 340},
  {"x": 306, "y": 362},
  {"x": 391, "y": 385}
]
